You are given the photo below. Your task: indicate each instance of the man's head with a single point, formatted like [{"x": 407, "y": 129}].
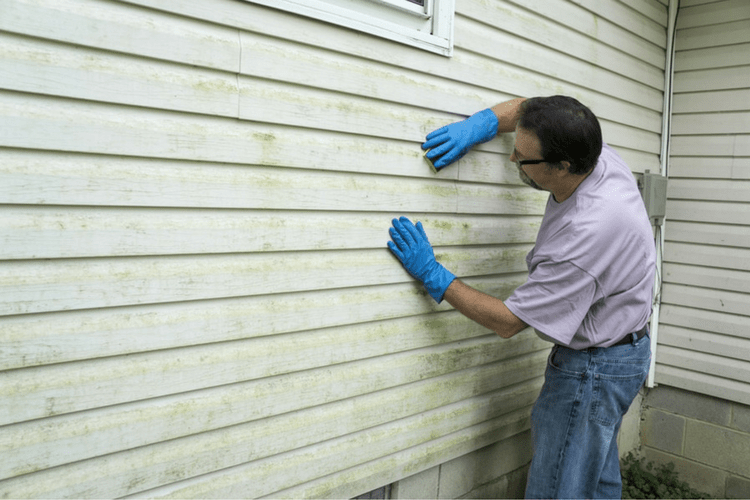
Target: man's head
[{"x": 567, "y": 130}]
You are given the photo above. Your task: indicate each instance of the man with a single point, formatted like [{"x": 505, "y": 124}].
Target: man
[{"x": 589, "y": 288}]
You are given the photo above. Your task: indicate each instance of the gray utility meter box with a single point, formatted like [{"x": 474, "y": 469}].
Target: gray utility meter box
[{"x": 653, "y": 189}]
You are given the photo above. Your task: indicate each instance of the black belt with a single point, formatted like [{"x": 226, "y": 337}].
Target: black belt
[{"x": 629, "y": 337}]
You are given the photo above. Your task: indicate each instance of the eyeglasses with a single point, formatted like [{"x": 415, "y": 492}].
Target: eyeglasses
[{"x": 529, "y": 162}]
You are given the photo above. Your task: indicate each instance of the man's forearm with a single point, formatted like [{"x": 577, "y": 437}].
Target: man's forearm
[
  {"x": 507, "y": 114},
  {"x": 486, "y": 310}
]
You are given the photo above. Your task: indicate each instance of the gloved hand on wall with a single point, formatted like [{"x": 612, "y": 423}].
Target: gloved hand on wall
[
  {"x": 449, "y": 143},
  {"x": 411, "y": 246}
]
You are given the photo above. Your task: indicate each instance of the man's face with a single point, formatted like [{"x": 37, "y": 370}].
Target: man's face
[
  {"x": 526, "y": 179},
  {"x": 528, "y": 147}
]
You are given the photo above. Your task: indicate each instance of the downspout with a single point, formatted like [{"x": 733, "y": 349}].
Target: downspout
[{"x": 666, "y": 132}]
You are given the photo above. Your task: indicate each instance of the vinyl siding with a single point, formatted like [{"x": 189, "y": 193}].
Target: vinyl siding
[
  {"x": 196, "y": 299},
  {"x": 705, "y": 322}
]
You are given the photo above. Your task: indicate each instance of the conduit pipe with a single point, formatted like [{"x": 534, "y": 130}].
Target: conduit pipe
[{"x": 666, "y": 132}]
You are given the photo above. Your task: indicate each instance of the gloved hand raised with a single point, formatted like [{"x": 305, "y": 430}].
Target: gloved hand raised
[
  {"x": 413, "y": 249},
  {"x": 448, "y": 144}
]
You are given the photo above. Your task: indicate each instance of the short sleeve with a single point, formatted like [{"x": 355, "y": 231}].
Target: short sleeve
[{"x": 554, "y": 300}]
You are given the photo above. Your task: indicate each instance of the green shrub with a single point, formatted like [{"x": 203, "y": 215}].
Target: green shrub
[{"x": 653, "y": 481}]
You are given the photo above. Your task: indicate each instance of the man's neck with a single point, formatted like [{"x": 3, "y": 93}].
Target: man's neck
[{"x": 568, "y": 187}]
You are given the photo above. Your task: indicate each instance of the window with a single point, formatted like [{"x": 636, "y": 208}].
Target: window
[{"x": 427, "y": 24}]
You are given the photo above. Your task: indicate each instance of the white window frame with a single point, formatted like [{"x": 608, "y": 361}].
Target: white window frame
[{"x": 429, "y": 28}]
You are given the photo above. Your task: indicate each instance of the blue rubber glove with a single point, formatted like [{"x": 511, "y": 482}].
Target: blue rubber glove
[
  {"x": 450, "y": 143},
  {"x": 413, "y": 249}
]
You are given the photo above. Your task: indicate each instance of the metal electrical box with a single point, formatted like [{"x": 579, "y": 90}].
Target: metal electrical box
[{"x": 653, "y": 189}]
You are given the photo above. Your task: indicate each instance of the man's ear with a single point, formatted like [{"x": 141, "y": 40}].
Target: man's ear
[{"x": 566, "y": 166}]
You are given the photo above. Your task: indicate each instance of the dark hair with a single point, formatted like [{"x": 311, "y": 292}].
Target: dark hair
[{"x": 567, "y": 131}]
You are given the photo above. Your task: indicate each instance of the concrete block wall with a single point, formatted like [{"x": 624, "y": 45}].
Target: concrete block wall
[
  {"x": 707, "y": 438},
  {"x": 496, "y": 471}
]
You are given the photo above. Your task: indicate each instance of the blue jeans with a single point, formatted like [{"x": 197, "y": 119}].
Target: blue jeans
[{"x": 575, "y": 421}]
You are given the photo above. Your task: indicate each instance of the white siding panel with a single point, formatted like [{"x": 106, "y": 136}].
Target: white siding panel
[
  {"x": 197, "y": 298},
  {"x": 73, "y": 232},
  {"x": 723, "y": 123},
  {"x": 550, "y": 34},
  {"x": 711, "y": 79},
  {"x": 722, "y": 189},
  {"x": 706, "y": 298},
  {"x": 704, "y": 383},
  {"x": 728, "y": 33},
  {"x": 446, "y": 423},
  {"x": 121, "y": 282},
  {"x": 709, "y": 256},
  {"x": 705, "y": 317},
  {"x": 586, "y": 20},
  {"x": 707, "y": 321},
  {"x": 44, "y": 67},
  {"x": 731, "y": 167},
  {"x": 713, "y": 57},
  {"x": 709, "y": 14},
  {"x": 62, "y": 125},
  {"x": 122, "y": 28},
  {"x": 718, "y": 366},
  {"x": 706, "y": 341},
  {"x": 728, "y": 148},
  {"x": 484, "y": 40},
  {"x": 62, "y": 337},
  {"x": 709, "y": 211},
  {"x": 135, "y": 425},
  {"x": 721, "y": 100},
  {"x": 711, "y": 234},
  {"x": 357, "y": 479}
]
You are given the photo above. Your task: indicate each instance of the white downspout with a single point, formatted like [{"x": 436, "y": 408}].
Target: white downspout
[{"x": 674, "y": 6}]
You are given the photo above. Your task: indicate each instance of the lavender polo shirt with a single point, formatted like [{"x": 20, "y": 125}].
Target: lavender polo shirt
[{"x": 591, "y": 271}]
